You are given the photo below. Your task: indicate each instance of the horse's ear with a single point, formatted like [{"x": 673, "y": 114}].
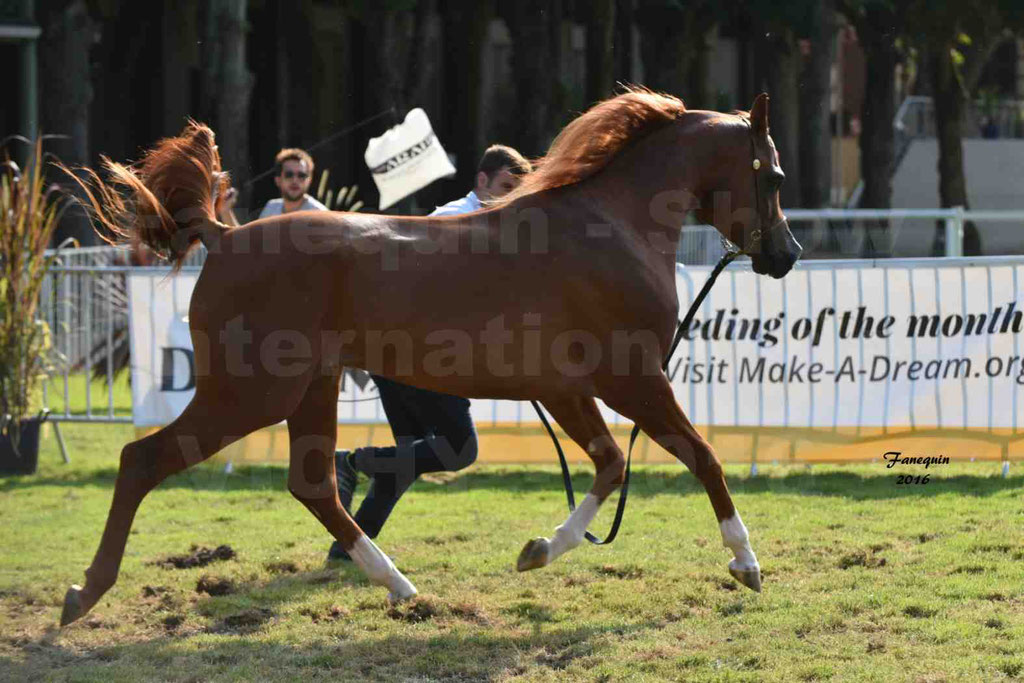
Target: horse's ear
[{"x": 759, "y": 114}]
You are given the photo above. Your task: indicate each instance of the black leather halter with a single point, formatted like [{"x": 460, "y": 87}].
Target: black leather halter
[{"x": 754, "y": 239}]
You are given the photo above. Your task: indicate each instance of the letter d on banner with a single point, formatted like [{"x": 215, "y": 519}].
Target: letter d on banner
[
  {"x": 406, "y": 158},
  {"x": 167, "y": 373}
]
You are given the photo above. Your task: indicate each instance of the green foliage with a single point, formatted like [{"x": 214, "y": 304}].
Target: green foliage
[
  {"x": 28, "y": 216},
  {"x": 342, "y": 199}
]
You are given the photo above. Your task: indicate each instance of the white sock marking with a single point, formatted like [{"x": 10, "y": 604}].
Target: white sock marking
[
  {"x": 570, "y": 534},
  {"x": 735, "y": 537},
  {"x": 379, "y": 568}
]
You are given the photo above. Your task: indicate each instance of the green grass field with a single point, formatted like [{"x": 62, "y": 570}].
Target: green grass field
[{"x": 864, "y": 580}]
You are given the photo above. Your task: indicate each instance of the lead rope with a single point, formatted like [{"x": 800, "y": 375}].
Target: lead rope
[{"x": 730, "y": 253}]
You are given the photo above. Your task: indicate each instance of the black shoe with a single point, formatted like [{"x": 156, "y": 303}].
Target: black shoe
[
  {"x": 348, "y": 478},
  {"x": 337, "y": 553}
]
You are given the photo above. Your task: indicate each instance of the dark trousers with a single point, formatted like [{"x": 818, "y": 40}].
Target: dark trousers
[{"x": 433, "y": 433}]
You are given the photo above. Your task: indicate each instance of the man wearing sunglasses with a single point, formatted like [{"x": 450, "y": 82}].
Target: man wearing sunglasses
[{"x": 293, "y": 176}]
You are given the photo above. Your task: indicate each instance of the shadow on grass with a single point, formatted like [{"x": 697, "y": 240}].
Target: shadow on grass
[
  {"x": 477, "y": 652},
  {"x": 646, "y": 481}
]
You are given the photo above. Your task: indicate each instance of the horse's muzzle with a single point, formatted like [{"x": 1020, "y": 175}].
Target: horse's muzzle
[{"x": 780, "y": 251}]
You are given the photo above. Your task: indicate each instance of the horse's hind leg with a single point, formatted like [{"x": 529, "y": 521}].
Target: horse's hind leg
[
  {"x": 192, "y": 438},
  {"x": 651, "y": 404},
  {"x": 312, "y": 429},
  {"x": 582, "y": 421}
]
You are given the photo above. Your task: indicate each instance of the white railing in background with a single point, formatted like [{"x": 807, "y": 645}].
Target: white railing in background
[{"x": 701, "y": 245}]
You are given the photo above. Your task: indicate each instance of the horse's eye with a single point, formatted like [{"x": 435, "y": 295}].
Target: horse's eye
[{"x": 776, "y": 179}]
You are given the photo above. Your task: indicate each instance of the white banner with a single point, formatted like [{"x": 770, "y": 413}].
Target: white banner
[
  {"x": 406, "y": 158},
  {"x": 915, "y": 344},
  {"x": 926, "y": 343}
]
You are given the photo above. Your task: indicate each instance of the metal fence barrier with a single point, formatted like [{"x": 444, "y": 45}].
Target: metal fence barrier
[{"x": 85, "y": 302}]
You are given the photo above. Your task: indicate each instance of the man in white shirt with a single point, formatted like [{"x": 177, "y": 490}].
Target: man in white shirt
[
  {"x": 422, "y": 422},
  {"x": 497, "y": 174},
  {"x": 293, "y": 176}
]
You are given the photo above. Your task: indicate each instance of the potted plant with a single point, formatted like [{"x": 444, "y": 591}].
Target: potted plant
[{"x": 29, "y": 214}]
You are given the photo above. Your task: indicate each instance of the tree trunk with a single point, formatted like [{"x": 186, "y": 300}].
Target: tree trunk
[
  {"x": 67, "y": 94},
  {"x": 780, "y": 61},
  {"x": 600, "y": 54},
  {"x": 420, "y": 66},
  {"x": 535, "y": 26},
  {"x": 664, "y": 49},
  {"x": 950, "y": 104},
  {"x": 625, "y": 45},
  {"x": 877, "y": 138},
  {"x": 815, "y": 129},
  {"x": 227, "y": 86},
  {"x": 387, "y": 46},
  {"x": 465, "y": 30},
  {"x": 697, "y": 76}
]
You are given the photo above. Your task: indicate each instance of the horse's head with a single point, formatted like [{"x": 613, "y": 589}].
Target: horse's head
[{"x": 745, "y": 206}]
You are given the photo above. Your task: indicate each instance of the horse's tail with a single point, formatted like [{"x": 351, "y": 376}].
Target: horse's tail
[{"x": 165, "y": 201}]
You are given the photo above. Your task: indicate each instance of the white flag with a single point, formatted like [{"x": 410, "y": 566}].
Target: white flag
[{"x": 406, "y": 158}]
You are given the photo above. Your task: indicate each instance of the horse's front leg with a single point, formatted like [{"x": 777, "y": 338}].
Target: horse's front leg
[
  {"x": 651, "y": 404},
  {"x": 582, "y": 421}
]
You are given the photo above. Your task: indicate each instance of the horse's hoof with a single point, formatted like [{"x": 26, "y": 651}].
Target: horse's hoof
[
  {"x": 401, "y": 589},
  {"x": 534, "y": 554},
  {"x": 73, "y": 609},
  {"x": 751, "y": 578},
  {"x": 395, "y": 598}
]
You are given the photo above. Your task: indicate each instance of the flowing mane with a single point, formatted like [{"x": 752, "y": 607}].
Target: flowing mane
[{"x": 592, "y": 140}]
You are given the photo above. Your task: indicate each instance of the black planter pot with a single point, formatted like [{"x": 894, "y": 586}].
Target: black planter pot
[{"x": 26, "y": 458}]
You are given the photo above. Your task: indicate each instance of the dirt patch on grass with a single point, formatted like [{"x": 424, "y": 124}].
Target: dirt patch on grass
[
  {"x": 162, "y": 597},
  {"x": 419, "y": 609},
  {"x": 862, "y": 558},
  {"x": 172, "y": 621},
  {"x": 215, "y": 585},
  {"x": 332, "y": 613},
  {"x": 153, "y": 591},
  {"x": 919, "y": 612},
  {"x": 445, "y": 540},
  {"x": 994, "y": 548},
  {"x": 284, "y": 567},
  {"x": 629, "y": 571},
  {"x": 197, "y": 557},
  {"x": 969, "y": 569},
  {"x": 560, "y": 658},
  {"x": 1012, "y": 668},
  {"x": 246, "y": 621},
  {"x": 469, "y": 612},
  {"x": 577, "y": 580},
  {"x": 94, "y": 622}
]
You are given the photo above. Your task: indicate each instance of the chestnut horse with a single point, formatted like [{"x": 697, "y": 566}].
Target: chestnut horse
[{"x": 562, "y": 292}]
